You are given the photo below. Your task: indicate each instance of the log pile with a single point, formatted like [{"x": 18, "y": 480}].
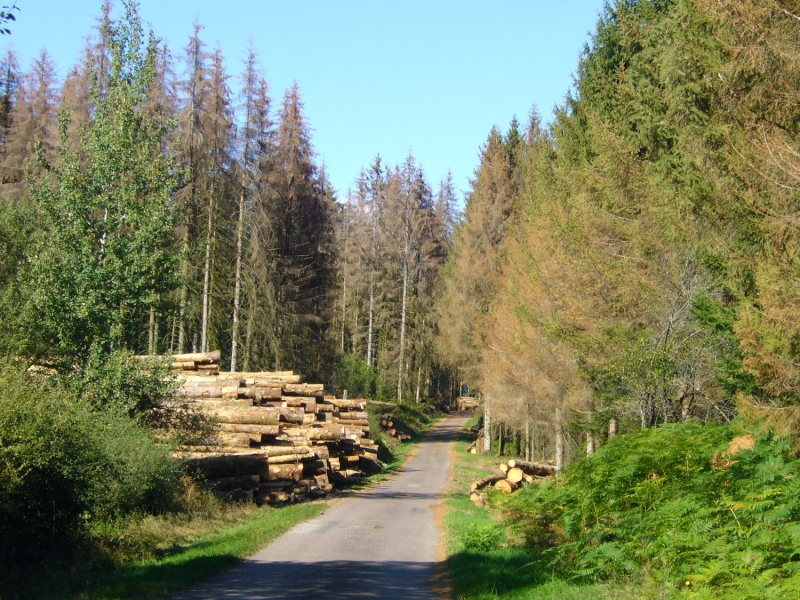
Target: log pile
[
  {"x": 475, "y": 447},
  {"x": 195, "y": 363},
  {"x": 275, "y": 439},
  {"x": 510, "y": 477},
  {"x": 468, "y": 404},
  {"x": 388, "y": 428}
]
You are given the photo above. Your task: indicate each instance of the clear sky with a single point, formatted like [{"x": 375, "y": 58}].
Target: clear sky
[{"x": 379, "y": 76}]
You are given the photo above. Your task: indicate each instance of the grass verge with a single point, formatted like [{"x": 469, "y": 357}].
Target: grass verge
[
  {"x": 184, "y": 566},
  {"x": 152, "y": 557},
  {"x": 485, "y": 558}
]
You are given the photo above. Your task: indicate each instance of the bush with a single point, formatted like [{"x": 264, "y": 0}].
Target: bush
[
  {"x": 670, "y": 503},
  {"x": 64, "y": 463},
  {"x": 363, "y": 381}
]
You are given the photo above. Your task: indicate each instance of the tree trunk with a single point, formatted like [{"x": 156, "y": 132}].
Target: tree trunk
[
  {"x": 402, "y": 334},
  {"x": 527, "y": 439},
  {"x": 237, "y": 286},
  {"x": 612, "y": 427},
  {"x": 589, "y": 443},
  {"x": 487, "y": 427},
  {"x": 344, "y": 302},
  {"x": 559, "y": 439},
  {"x": 369, "y": 328},
  {"x": 501, "y": 439},
  {"x": 151, "y": 332},
  {"x": 207, "y": 275}
]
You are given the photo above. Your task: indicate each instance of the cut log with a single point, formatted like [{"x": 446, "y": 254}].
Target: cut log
[
  {"x": 477, "y": 499},
  {"x": 285, "y": 459},
  {"x": 315, "y": 468},
  {"x": 353, "y": 422},
  {"x": 229, "y": 465},
  {"x": 504, "y": 485},
  {"x": 504, "y": 468},
  {"x": 532, "y": 468},
  {"x": 213, "y": 405},
  {"x": 369, "y": 466},
  {"x": 515, "y": 475},
  {"x": 247, "y": 428},
  {"x": 287, "y": 471},
  {"x": 277, "y": 497},
  {"x": 184, "y": 366},
  {"x": 222, "y": 438},
  {"x": 352, "y": 404},
  {"x": 315, "y": 433},
  {"x": 277, "y": 485},
  {"x": 304, "y": 389},
  {"x": 199, "y": 357},
  {"x": 487, "y": 481},
  {"x": 199, "y": 390}
]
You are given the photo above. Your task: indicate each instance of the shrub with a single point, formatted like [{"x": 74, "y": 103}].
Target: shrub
[{"x": 64, "y": 463}]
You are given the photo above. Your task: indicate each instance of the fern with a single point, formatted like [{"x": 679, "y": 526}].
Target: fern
[{"x": 652, "y": 503}]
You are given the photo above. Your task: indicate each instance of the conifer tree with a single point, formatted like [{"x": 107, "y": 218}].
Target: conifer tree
[
  {"x": 33, "y": 121},
  {"x": 9, "y": 85},
  {"x": 254, "y": 140}
]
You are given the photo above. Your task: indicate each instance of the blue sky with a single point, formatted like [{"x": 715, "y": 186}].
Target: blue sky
[{"x": 389, "y": 77}]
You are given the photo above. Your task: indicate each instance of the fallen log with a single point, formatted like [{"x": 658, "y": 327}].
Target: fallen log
[
  {"x": 515, "y": 475},
  {"x": 487, "y": 481},
  {"x": 532, "y": 468},
  {"x": 504, "y": 485}
]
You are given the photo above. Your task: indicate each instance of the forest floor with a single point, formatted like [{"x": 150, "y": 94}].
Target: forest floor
[{"x": 484, "y": 559}]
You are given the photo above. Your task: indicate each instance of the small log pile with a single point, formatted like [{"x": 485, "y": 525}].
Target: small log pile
[
  {"x": 388, "y": 428},
  {"x": 194, "y": 363},
  {"x": 467, "y": 404},
  {"x": 475, "y": 446},
  {"x": 276, "y": 439},
  {"x": 510, "y": 477}
]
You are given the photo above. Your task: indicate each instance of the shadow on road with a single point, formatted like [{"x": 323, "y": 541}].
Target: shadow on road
[{"x": 328, "y": 580}]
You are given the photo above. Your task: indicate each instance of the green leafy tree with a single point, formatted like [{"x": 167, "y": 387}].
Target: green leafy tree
[{"x": 104, "y": 256}]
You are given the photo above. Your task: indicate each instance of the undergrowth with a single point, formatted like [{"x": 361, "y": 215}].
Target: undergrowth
[
  {"x": 671, "y": 508},
  {"x": 487, "y": 559}
]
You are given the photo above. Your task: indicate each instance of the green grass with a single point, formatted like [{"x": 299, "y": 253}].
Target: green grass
[
  {"x": 186, "y": 566},
  {"x": 154, "y": 556},
  {"x": 486, "y": 560}
]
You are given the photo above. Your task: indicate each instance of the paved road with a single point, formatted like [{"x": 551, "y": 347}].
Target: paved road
[{"x": 381, "y": 543}]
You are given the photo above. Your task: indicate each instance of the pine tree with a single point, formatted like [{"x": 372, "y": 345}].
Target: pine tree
[
  {"x": 296, "y": 215},
  {"x": 254, "y": 140},
  {"x": 33, "y": 121},
  {"x": 9, "y": 67}
]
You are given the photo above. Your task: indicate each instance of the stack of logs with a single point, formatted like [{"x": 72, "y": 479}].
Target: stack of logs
[
  {"x": 275, "y": 438},
  {"x": 512, "y": 475},
  {"x": 206, "y": 363},
  {"x": 388, "y": 428},
  {"x": 468, "y": 404}
]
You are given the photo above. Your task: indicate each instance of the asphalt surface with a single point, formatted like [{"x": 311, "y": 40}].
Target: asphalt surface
[{"x": 380, "y": 543}]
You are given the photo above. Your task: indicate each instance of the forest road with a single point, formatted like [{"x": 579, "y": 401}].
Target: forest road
[{"x": 379, "y": 543}]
